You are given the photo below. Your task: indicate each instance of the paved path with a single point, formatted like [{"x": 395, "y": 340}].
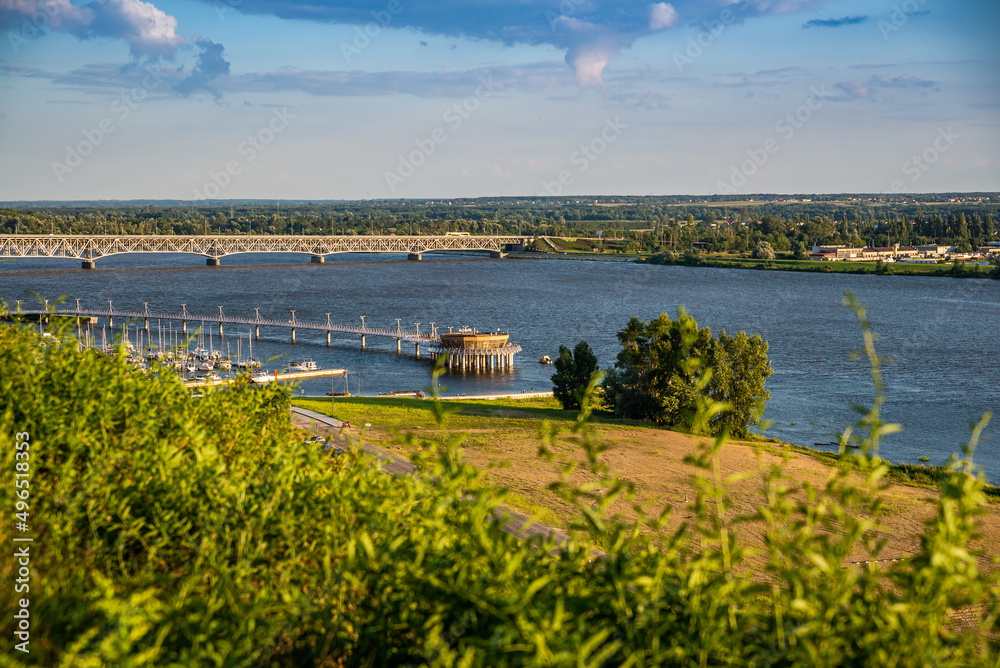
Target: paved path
[{"x": 512, "y": 522}]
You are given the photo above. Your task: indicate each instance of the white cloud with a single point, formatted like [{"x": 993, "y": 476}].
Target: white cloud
[
  {"x": 149, "y": 31},
  {"x": 662, "y": 15}
]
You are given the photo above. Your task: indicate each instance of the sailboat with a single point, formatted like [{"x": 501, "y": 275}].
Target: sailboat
[{"x": 249, "y": 362}]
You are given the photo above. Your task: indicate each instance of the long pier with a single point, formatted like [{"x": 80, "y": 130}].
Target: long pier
[
  {"x": 89, "y": 248},
  {"x": 493, "y": 359}
]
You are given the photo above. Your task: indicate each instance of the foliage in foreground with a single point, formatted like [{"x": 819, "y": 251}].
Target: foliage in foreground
[
  {"x": 203, "y": 532},
  {"x": 657, "y": 373}
]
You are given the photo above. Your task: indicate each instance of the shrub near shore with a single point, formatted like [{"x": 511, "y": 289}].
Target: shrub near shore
[{"x": 180, "y": 531}]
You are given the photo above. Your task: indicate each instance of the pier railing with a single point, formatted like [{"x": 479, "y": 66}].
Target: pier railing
[{"x": 477, "y": 359}]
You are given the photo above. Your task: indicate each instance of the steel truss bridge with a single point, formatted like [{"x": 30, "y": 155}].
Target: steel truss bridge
[
  {"x": 491, "y": 359},
  {"x": 89, "y": 248}
]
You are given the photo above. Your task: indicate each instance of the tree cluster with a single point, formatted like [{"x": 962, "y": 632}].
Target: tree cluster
[{"x": 665, "y": 364}]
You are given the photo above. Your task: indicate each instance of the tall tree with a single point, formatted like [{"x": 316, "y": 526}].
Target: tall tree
[{"x": 573, "y": 372}]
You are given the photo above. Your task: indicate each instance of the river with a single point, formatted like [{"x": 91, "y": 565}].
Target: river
[{"x": 940, "y": 336}]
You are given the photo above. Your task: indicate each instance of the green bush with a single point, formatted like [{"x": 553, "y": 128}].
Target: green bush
[{"x": 179, "y": 531}]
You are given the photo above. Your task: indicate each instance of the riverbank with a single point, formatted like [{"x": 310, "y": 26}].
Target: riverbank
[
  {"x": 725, "y": 261},
  {"x": 949, "y": 270},
  {"x": 501, "y": 440}
]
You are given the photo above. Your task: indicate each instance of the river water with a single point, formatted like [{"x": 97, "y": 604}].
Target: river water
[{"x": 941, "y": 336}]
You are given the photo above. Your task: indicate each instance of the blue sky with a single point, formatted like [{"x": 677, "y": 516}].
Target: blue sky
[{"x": 121, "y": 99}]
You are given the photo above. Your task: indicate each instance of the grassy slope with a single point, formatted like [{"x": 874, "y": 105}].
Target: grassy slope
[{"x": 509, "y": 428}]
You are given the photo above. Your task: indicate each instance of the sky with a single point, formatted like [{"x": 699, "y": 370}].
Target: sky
[{"x": 389, "y": 99}]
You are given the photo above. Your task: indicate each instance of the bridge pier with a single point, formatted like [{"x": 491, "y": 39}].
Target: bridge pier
[
  {"x": 414, "y": 256},
  {"x": 184, "y": 326},
  {"x": 417, "y": 351},
  {"x": 496, "y": 255},
  {"x": 328, "y": 339},
  {"x": 256, "y": 332},
  {"x": 318, "y": 259},
  {"x": 399, "y": 346},
  {"x": 213, "y": 261},
  {"x": 145, "y": 324},
  {"x": 88, "y": 264},
  {"x": 220, "y": 329},
  {"x": 111, "y": 322},
  {"x": 293, "y": 335},
  {"x": 363, "y": 347}
]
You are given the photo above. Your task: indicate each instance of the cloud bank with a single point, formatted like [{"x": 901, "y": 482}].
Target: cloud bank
[
  {"x": 591, "y": 32},
  {"x": 149, "y": 32}
]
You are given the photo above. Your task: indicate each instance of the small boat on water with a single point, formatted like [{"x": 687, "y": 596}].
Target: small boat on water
[
  {"x": 262, "y": 378},
  {"x": 302, "y": 365},
  {"x": 545, "y": 359}
]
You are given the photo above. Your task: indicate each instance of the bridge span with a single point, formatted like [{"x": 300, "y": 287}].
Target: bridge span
[
  {"x": 483, "y": 359},
  {"x": 89, "y": 248}
]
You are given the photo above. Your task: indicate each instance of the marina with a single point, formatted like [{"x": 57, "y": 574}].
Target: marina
[
  {"x": 940, "y": 376},
  {"x": 465, "y": 349}
]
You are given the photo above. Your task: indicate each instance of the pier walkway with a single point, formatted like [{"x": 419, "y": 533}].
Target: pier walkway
[{"x": 493, "y": 359}]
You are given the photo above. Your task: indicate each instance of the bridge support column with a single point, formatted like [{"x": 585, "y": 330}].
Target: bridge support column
[
  {"x": 111, "y": 322},
  {"x": 414, "y": 256},
  {"x": 363, "y": 347},
  {"x": 220, "y": 329},
  {"x": 399, "y": 346},
  {"x": 496, "y": 255},
  {"x": 89, "y": 264},
  {"x": 328, "y": 339},
  {"x": 184, "y": 326},
  {"x": 417, "y": 351},
  {"x": 293, "y": 335},
  {"x": 145, "y": 324},
  {"x": 213, "y": 261},
  {"x": 256, "y": 332},
  {"x": 318, "y": 259}
]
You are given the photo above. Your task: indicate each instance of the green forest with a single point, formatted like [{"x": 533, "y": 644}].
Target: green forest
[{"x": 642, "y": 224}]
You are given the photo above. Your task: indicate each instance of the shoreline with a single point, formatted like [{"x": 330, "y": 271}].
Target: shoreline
[{"x": 946, "y": 270}]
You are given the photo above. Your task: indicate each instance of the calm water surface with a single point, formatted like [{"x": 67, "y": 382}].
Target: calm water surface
[{"x": 941, "y": 334}]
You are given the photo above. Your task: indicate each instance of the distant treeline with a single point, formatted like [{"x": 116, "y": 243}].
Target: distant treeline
[{"x": 650, "y": 224}]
